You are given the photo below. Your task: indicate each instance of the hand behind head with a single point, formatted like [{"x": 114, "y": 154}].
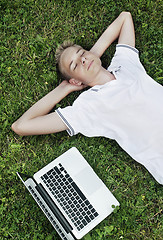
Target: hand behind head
[{"x": 73, "y": 85}]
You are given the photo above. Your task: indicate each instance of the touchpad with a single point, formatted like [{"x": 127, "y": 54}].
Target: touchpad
[{"x": 88, "y": 180}]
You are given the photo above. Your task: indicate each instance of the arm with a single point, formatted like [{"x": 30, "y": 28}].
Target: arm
[
  {"x": 37, "y": 121},
  {"x": 122, "y": 28}
]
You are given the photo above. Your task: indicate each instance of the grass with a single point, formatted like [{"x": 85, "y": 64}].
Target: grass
[{"x": 30, "y": 33}]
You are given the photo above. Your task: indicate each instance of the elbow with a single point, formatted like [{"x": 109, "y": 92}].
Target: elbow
[
  {"x": 17, "y": 128},
  {"x": 126, "y": 13}
]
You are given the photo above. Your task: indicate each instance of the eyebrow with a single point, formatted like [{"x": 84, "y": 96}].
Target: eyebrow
[
  {"x": 76, "y": 53},
  {"x": 78, "y": 50}
]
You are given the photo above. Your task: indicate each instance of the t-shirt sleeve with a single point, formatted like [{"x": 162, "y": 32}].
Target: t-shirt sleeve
[
  {"x": 66, "y": 116},
  {"x": 77, "y": 117},
  {"x": 82, "y": 116}
]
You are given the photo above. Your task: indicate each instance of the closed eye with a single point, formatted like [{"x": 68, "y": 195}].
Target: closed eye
[{"x": 75, "y": 66}]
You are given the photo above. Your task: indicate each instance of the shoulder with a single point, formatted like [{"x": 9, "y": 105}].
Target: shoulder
[
  {"x": 127, "y": 58},
  {"x": 126, "y": 50},
  {"x": 124, "y": 54}
]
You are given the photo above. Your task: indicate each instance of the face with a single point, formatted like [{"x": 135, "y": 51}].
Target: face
[{"x": 80, "y": 64}]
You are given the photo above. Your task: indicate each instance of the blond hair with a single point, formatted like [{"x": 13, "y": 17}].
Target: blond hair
[{"x": 59, "y": 51}]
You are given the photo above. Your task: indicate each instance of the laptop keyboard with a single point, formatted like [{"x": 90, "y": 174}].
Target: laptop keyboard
[{"x": 69, "y": 196}]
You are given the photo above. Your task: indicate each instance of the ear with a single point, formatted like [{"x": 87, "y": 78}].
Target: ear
[{"x": 75, "y": 82}]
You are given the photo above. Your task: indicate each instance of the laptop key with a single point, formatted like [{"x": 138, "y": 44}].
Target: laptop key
[
  {"x": 90, "y": 206},
  {"x": 56, "y": 191},
  {"x": 69, "y": 195},
  {"x": 88, "y": 212},
  {"x": 72, "y": 205},
  {"x": 84, "y": 222},
  {"x": 49, "y": 172},
  {"x": 83, "y": 213},
  {"x": 70, "y": 180},
  {"x": 64, "y": 179},
  {"x": 72, "y": 198},
  {"x": 61, "y": 175},
  {"x": 78, "y": 222},
  {"x": 77, "y": 197},
  {"x": 57, "y": 170},
  {"x": 67, "y": 191},
  {"x": 45, "y": 176},
  {"x": 78, "y": 213},
  {"x": 75, "y": 202},
  {"x": 80, "y": 217},
  {"x": 88, "y": 219},
  {"x": 91, "y": 217},
  {"x": 93, "y": 210},
  {"x": 87, "y": 202},
  {"x": 72, "y": 190},
  {"x": 61, "y": 169},
  {"x": 70, "y": 210},
  {"x": 81, "y": 226},
  {"x": 95, "y": 214}
]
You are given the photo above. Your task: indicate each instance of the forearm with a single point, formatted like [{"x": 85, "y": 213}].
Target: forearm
[
  {"x": 109, "y": 35},
  {"x": 37, "y": 120},
  {"x": 45, "y": 104}
]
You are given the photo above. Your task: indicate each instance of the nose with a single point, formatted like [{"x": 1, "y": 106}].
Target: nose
[{"x": 83, "y": 60}]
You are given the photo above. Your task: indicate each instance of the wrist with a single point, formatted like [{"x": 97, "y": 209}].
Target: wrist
[{"x": 64, "y": 88}]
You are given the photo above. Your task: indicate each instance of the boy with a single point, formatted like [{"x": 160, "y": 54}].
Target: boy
[{"x": 123, "y": 103}]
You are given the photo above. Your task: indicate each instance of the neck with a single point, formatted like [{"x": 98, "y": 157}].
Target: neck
[{"x": 103, "y": 77}]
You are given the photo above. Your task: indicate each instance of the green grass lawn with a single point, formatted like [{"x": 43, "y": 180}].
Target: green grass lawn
[{"x": 29, "y": 34}]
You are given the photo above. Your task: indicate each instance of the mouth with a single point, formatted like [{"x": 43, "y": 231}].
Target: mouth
[{"x": 90, "y": 65}]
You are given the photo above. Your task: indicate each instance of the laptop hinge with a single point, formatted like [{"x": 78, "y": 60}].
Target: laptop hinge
[{"x": 53, "y": 207}]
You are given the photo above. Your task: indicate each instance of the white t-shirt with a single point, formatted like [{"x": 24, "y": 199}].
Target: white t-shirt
[{"x": 128, "y": 110}]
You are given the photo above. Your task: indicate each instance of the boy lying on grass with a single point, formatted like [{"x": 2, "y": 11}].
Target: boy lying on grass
[{"x": 123, "y": 103}]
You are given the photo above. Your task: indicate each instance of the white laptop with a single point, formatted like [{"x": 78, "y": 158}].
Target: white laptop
[{"x": 71, "y": 195}]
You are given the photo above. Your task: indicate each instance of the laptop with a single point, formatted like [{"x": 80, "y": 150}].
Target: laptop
[{"x": 71, "y": 195}]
